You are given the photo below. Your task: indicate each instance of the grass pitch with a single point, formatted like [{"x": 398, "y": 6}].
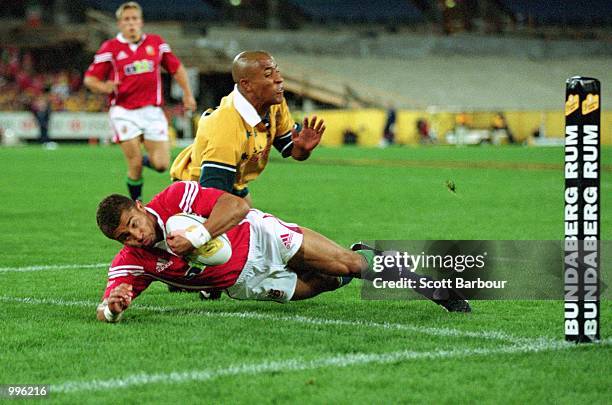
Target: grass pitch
[{"x": 335, "y": 348}]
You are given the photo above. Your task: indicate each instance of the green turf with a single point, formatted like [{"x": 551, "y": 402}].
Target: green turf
[{"x": 50, "y": 335}]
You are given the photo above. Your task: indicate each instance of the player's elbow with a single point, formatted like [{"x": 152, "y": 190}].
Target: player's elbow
[
  {"x": 87, "y": 80},
  {"x": 242, "y": 206},
  {"x": 90, "y": 82}
]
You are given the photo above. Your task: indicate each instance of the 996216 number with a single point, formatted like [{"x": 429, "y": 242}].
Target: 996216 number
[{"x": 23, "y": 390}]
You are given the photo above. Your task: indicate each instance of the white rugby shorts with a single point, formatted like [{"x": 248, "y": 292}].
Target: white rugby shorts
[
  {"x": 148, "y": 121},
  {"x": 265, "y": 275}
]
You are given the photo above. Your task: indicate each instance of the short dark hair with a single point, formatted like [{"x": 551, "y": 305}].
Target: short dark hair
[{"x": 109, "y": 213}]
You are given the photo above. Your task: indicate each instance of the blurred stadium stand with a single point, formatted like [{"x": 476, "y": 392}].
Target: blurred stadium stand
[
  {"x": 360, "y": 11},
  {"x": 347, "y": 68},
  {"x": 561, "y": 12},
  {"x": 453, "y": 55},
  {"x": 161, "y": 10}
]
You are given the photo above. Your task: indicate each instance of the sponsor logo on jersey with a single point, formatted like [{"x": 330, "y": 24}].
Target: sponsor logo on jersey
[
  {"x": 162, "y": 264},
  {"x": 139, "y": 67},
  {"x": 122, "y": 55},
  {"x": 286, "y": 239}
]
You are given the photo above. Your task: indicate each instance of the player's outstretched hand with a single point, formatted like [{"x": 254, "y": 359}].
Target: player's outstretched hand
[
  {"x": 310, "y": 135},
  {"x": 178, "y": 243},
  {"x": 120, "y": 298}
]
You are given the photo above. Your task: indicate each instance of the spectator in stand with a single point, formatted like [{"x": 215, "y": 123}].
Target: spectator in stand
[
  {"x": 423, "y": 131},
  {"x": 499, "y": 129},
  {"x": 463, "y": 123},
  {"x": 389, "y": 129},
  {"x": 42, "y": 112}
]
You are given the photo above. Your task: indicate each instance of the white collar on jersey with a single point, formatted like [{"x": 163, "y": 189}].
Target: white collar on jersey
[
  {"x": 133, "y": 46},
  {"x": 245, "y": 108}
]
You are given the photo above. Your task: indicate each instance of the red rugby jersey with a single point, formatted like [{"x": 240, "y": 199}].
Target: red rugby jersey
[
  {"x": 139, "y": 266},
  {"x": 136, "y": 67}
]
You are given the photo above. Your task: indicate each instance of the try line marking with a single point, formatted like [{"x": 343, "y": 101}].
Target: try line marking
[
  {"x": 53, "y": 267},
  {"x": 299, "y": 364},
  {"x": 432, "y": 331},
  {"x": 44, "y": 267}
]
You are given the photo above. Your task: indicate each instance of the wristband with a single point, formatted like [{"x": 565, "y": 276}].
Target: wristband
[
  {"x": 198, "y": 236},
  {"x": 110, "y": 316}
]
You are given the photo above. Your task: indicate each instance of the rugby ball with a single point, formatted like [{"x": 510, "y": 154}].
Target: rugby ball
[{"x": 215, "y": 252}]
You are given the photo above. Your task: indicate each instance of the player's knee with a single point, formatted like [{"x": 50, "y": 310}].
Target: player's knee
[{"x": 160, "y": 167}]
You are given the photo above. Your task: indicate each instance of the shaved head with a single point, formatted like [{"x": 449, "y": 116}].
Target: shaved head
[
  {"x": 258, "y": 79},
  {"x": 246, "y": 64}
]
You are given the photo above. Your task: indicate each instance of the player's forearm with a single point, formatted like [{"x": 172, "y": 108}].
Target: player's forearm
[
  {"x": 183, "y": 80},
  {"x": 227, "y": 213},
  {"x": 95, "y": 85}
]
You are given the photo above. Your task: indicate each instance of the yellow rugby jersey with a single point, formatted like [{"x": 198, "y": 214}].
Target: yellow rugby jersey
[{"x": 227, "y": 147}]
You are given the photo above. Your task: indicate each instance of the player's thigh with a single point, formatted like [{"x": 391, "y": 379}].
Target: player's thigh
[
  {"x": 154, "y": 124},
  {"x": 324, "y": 255},
  {"x": 131, "y": 150},
  {"x": 125, "y": 123},
  {"x": 159, "y": 152}
]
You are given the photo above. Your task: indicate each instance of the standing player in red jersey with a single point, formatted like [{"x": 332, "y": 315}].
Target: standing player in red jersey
[
  {"x": 127, "y": 68},
  {"x": 271, "y": 260}
]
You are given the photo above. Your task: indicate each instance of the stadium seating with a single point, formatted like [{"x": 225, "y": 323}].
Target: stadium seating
[
  {"x": 560, "y": 12},
  {"x": 184, "y": 10},
  {"x": 483, "y": 83},
  {"x": 352, "y": 11}
]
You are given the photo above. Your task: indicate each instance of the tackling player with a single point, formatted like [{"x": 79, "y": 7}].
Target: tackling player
[
  {"x": 127, "y": 68},
  {"x": 271, "y": 260},
  {"x": 233, "y": 142}
]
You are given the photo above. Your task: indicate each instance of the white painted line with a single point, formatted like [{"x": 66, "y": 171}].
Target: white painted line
[
  {"x": 46, "y": 301},
  {"x": 53, "y": 267},
  {"x": 447, "y": 332},
  {"x": 297, "y": 364},
  {"x": 432, "y": 331}
]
